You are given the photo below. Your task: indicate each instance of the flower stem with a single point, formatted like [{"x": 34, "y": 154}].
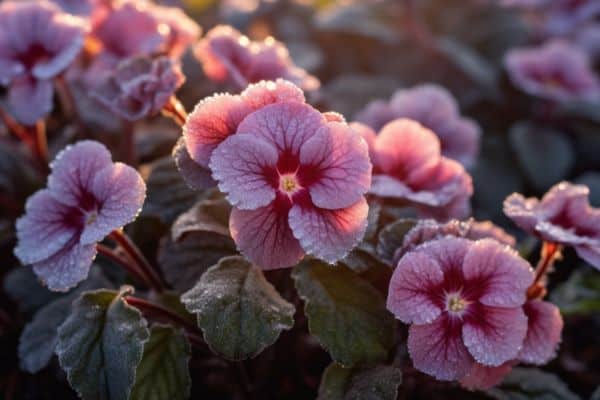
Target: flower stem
[
  {"x": 41, "y": 141},
  {"x": 125, "y": 263},
  {"x": 66, "y": 98},
  {"x": 175, "y": 110},
  {"x": 550, "y": 252},
  {"x": 150, "y": 309},
  {"x": 136, "y": 255}
]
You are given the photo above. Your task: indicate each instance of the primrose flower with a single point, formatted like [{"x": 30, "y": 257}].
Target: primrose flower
[
  {"x": 30, "y": 58},
  {"x": 464, "y": 300},
  {"x": 563, "y": 216},
  {"x": 140, "y": 87},
  {"x": 556, "y": 71},
  {"x": 408, "y": 166},
  {"x": 435, "y": 108},
  {"x": 228, "y": 56},
  {"x": 217, "y": 117},
  {"x": 88, "y": 196},
  {"x": 297, "y": 183}
]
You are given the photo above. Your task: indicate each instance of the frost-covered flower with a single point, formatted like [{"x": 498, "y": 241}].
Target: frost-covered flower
[
  {"x": 565, "y": 17},
  {"x": 563, "y": 216},
  {"x": 428, "y": 229},
  {"x": 434, "y": 107},
  {"x": 88, "y": 196},
  {"x": 140, "y": 87},
  {"x": 229, "y": 56},
  {"x": 555, "y": 70},
  {"x": 37, "y": 43},
  {"x": 217, "y": 117},
  {"x": 297, "y": 183},
  {"x": 464, "y": 300},
  {"x": 407, "y": 165}
]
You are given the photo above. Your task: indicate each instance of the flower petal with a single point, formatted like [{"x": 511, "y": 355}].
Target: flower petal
[
  {"x": 30, "y": 100},
  {"x": 43, "y": 230},
  {"x": 341, "y": 158},
  {"x": 543, "y": 334},
  {"x": 502, "y": 276},
  {"x": 196, "y": 176},
  {"x": 437, "y": 349},
  {"x": 482, "y": 377},
  {"x": 264, "y": 236},
  {"x": 494, "y": 335},
  {"x": 412, "y": 291},
  {"x": 590, "y": 253},
  {"x": 241, "y": 166},
  {"x": 66, "y": 268},
  {"x": 120, "y": 192},
  {"x": 263, "y": 93},
  {"x": 74, "y": 170},
  {"x": 212, "y": 121},
  {"x": 329, "y": 234}
]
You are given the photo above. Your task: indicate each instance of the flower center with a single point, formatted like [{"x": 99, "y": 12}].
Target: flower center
[
  {"x": 288, "y": 184},
  {"x": 91, "y": 217},
  {"x": 455, "y": 304}
]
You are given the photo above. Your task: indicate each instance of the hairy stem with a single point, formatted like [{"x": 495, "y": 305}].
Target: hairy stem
[
  {"x": 175, "y": 110},
  {"x": 549, "y": 254},
  {"x": 127, "y": 264}
]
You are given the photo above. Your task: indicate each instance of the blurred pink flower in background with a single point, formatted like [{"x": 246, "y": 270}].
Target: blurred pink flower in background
[
  {"x": 140, "y": 87},
  {"x": 228, "y": 56},
  {"x": 562, "y": 216},
  {"x": 408, "y": 166},
  {"x": 464, "y": 300},
  {"x": 435, "y": 108},
  {"x": 88, "y": 196},
  {"x": 555, "y": 70},
  {"x": 37, "y": 43}
]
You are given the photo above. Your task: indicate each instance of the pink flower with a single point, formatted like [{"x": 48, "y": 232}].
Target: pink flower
[
  {"x": 297, "y": 183},
  {"x": 563, "y": 216},
  {"x": 427, "y": 229},
  {"x": 407, "y": 165},
  {"x": 464, "y": 300},
  {"x": 229, "y": 56},
  {"x": 435, "y": 108},
  {"x": 30, "y": 58},
  {"x": 217, "y": 117},
  {"x": 556, "y": 70},
  {"x": 140, "y": 87},
  {"x": 88, "y": 196},
  {"x": 568, "y": 16}
]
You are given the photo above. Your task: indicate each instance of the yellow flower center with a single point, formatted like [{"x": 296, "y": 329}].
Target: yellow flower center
[
  {"x": 288, "y": 183},
  {"x": 455, "y": 304}
]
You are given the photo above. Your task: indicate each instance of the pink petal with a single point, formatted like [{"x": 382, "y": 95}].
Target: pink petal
[
  {"x": 437, "y": 349},
  {"x": 120, "y": 191},
  {"x": 329, "y": 234},
  {"x": 589, "y": 253},
  {"x": 332, "y": 116},
  {"x": 263, "y": 93},
  {"x": 412, "y": 291},
  {"x": 521, "y": 211},
  {"x": 66, "y": 268},
  {"x": 285, "y": 125},
  {"x": 30, "y": 100},
  {"x": 264, "y": 236},
  {"x": 448, "y": 252},
  {"x": 74, "y": 170},
  {"x": 482, "y": 377},
  {"x": 42, "y": 231},
  {"x": 494, "y": 335},
  {"x": 344, "y": 171},
  {"x": 388, "y": 186},
  {"x": 367, "y": 134},
  {"x": 543, "y": 334},
  {"x": 212, "y": 121},
  {"x": 502, "y": 275},
  {"x": 239, "y": 166},
  {"x": 196, "y": 176}
]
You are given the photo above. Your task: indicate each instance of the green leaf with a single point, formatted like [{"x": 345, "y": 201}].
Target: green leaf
[
  {"x": 101, "y": 343},
  {"x": 391, "y": 238},
  {"x": 377, "y": 383},
  {"x": 545, "y": 155},
  {"x": 207, "y": 216},
  {"x": 24, "y": 288},
  {"x": 362, "y": 258},
  {"x": 345, "y": 313},
  {"x": 239, "y": 312},
  {"x": 580, "y": 294},
  {"x": 163, "y": 372},
  {"x": 531, "y": 384}
]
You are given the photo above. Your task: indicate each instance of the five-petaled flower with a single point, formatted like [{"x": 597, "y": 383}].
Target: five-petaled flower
[
  {"x": 37, "y": 43},
  {"x": 435, "y": 108},
  {"x": 408, "y": 166},
  {"x": 556, "y": 71},
  {"x": 562, "y": 216},
  {"x": 464, "y": 300},
  {"x": 229, "y": 56},
  {"x": 140, "y": 87},
  {"x": 88, "y": 196}
]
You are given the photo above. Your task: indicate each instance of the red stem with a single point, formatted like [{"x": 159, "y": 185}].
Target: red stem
[
  {"x": 175, "y": 110},
  {"x": 549, "y": 253},
  {"x": 126, "y": 263},
  {"x": 136, "y": 255},
  {"x": 128, "y": 143}
]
